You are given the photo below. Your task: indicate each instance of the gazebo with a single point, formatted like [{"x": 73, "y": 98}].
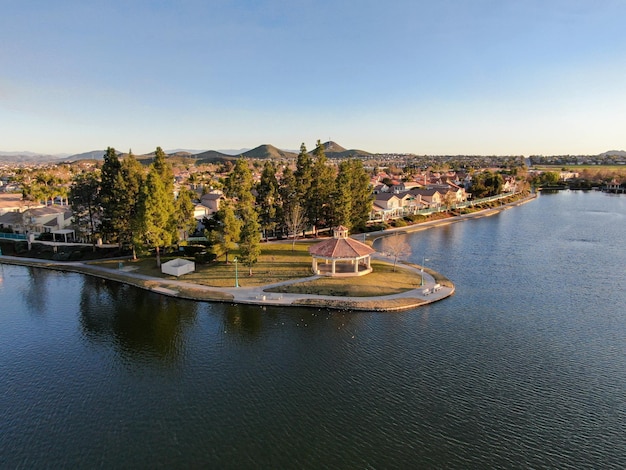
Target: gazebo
[{"x": 341, "y": 256}]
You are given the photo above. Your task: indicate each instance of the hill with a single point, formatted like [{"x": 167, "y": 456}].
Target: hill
[
  {"x": 264, "y": 152},
  {"x": 613, "y": 153},
  {"x": 93, "y": 155},
  {"x": 29, "y": 157},
  {"x": 334, "y": 150}
]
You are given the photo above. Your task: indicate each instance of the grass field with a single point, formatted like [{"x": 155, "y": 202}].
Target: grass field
[
  {"x": 383, "y": 280},
  {"x": 279, "y": 263}
]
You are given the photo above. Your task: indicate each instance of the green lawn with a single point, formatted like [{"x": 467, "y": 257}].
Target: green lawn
[
  {"x": 279, "y": 263},
  {"x": 383, "y": 280}
]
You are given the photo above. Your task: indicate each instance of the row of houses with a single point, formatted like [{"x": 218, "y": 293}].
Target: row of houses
[
  {"x": 389, "y": 202},
  {"x": 56, "y": 220},
  {"x": 392, "y": 205}
]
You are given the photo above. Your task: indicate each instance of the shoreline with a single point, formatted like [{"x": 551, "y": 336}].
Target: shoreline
[{"x": 436, "y": 290}]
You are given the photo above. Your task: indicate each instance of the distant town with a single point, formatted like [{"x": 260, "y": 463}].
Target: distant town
[{"x": 155, "y": 200}]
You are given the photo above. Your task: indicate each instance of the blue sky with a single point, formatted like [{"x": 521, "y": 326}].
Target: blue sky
[{"x": 428, "y": 77}]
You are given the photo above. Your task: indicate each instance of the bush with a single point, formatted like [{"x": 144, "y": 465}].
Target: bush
[
  {"x": 192, "y": 250},
  {"x": 376, "y": 227},
  {"x": 399, "y": 223},
  {"x": 204, "y": 257}
]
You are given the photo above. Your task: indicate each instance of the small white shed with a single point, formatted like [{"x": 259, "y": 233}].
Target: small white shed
[{"x": 178, "y": 267}]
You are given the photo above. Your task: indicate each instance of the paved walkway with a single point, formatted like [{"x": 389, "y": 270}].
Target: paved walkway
[{"x": 430, "y": 292}]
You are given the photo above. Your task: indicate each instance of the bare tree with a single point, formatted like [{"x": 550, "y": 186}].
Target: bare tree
[
  {"x": 296, "y": 223},
  {"x": 396, "y": 247}
]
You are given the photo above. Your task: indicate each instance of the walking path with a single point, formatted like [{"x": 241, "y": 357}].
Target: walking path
[{"x": 431, "y": 291}]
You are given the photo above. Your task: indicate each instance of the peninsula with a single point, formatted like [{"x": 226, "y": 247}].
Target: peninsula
[{"x": 434, "y": 286}]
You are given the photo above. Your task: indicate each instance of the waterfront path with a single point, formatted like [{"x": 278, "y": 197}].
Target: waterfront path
[{"x": 431, "y": 291}]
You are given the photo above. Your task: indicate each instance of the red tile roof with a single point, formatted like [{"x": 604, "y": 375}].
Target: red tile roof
[{"x": 341, "y": 248}]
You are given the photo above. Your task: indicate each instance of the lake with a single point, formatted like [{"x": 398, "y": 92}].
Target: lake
[{"x": 524, "y": 367}]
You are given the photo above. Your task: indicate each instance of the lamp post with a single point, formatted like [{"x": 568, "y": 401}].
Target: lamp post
[
  {"x": 236, "y": 273},
  {"x": 424, "y": 259}
]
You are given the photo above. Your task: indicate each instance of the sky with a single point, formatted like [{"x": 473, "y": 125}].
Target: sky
[{"x": 439, "y": 77}]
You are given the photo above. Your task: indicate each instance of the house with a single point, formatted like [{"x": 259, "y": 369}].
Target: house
[
  {"x": 432, "y": 197},
  {"x": 386, "y": 206},
  {"x": 212, "y": 201},
  {"x": 37, "y": 221},
  {"x": 10, "y": 202}
]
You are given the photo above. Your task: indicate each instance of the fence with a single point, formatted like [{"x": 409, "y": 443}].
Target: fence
[{"x": 13, "y": 236}]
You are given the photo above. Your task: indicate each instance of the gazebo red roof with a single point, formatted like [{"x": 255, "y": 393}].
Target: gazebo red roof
[{"x": 339, "y": 248}]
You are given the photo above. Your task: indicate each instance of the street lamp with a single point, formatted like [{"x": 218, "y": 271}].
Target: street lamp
[
  {"x": 424, "y": 259},
  {"x": 236, "y": 273}
]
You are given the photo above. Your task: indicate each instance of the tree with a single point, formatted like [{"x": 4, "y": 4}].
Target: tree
[
  {"x": 130, "y": 180},
  {"x": 449, "y": 199},
  {"x": 239, "y": 183},
  {"x": 296, "y": 222},
  {"x": 302, "y": 175},
  {"x": 396, "y": 247},
  {"x": 268, "y": 198},
  {"x": 155, "y": 214},
  {"x": 362, "y": 197},
  {"x": 164, "y": 169},
  {"x": 227, "y": 234},
  {"x": 184, "y": 214},
  {"x": 110, "y": 223},
  {"x": 342, "y": 198},
  {"x": 85, "y": 197},
  {"x": 288, "y": 194},
  {"x": 319, "y": 193},
  {"x": 352, "y": 197},
  {"x": 250, "y": 238}
]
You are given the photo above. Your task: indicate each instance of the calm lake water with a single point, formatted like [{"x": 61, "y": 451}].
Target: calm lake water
[{"x": 524, "y": 367}]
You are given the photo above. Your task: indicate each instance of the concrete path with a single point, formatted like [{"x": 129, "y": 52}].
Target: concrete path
[{"x": 430, "y": 292}]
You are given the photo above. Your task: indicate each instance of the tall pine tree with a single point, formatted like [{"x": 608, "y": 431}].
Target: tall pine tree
[
  {"x": 250, "y": 237},
  {"x": 155, "y": 214},
  {"x": 110, "y": 225},
  {"x": 319, "y": 193},
  {"x": 129, "y": 181},
  {"x": 268, "y": 198}
]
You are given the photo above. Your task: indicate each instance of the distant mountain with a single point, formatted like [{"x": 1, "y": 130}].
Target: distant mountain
[
  {"x": 92, "y": 155},
  {"x": 262, "y": 152},
  {"x": 233, "y": 151},
  {"x": 213, "y": 156},
  {"x": 613, "y": 153},
  {"x": 183, "y": 151},
  {"x": 29, "y": 157},
  {"x": 268, "y": 152}
]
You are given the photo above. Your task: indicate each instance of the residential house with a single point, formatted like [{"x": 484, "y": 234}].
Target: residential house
[
  {"x": 212, "y": 202},
  {"x": 386, "y": 206},
  {"x": 432, "y": 197},
  {"x": 37, "y": 221}
]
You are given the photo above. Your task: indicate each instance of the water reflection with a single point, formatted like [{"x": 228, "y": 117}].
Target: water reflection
[
  {"x": 35, "y": 292},
  {"x": 244, "y": 319},
  {"x": 140, "y": 325}
]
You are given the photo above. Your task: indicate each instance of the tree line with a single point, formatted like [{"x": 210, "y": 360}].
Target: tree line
[{"x": 125, "y": 204}]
